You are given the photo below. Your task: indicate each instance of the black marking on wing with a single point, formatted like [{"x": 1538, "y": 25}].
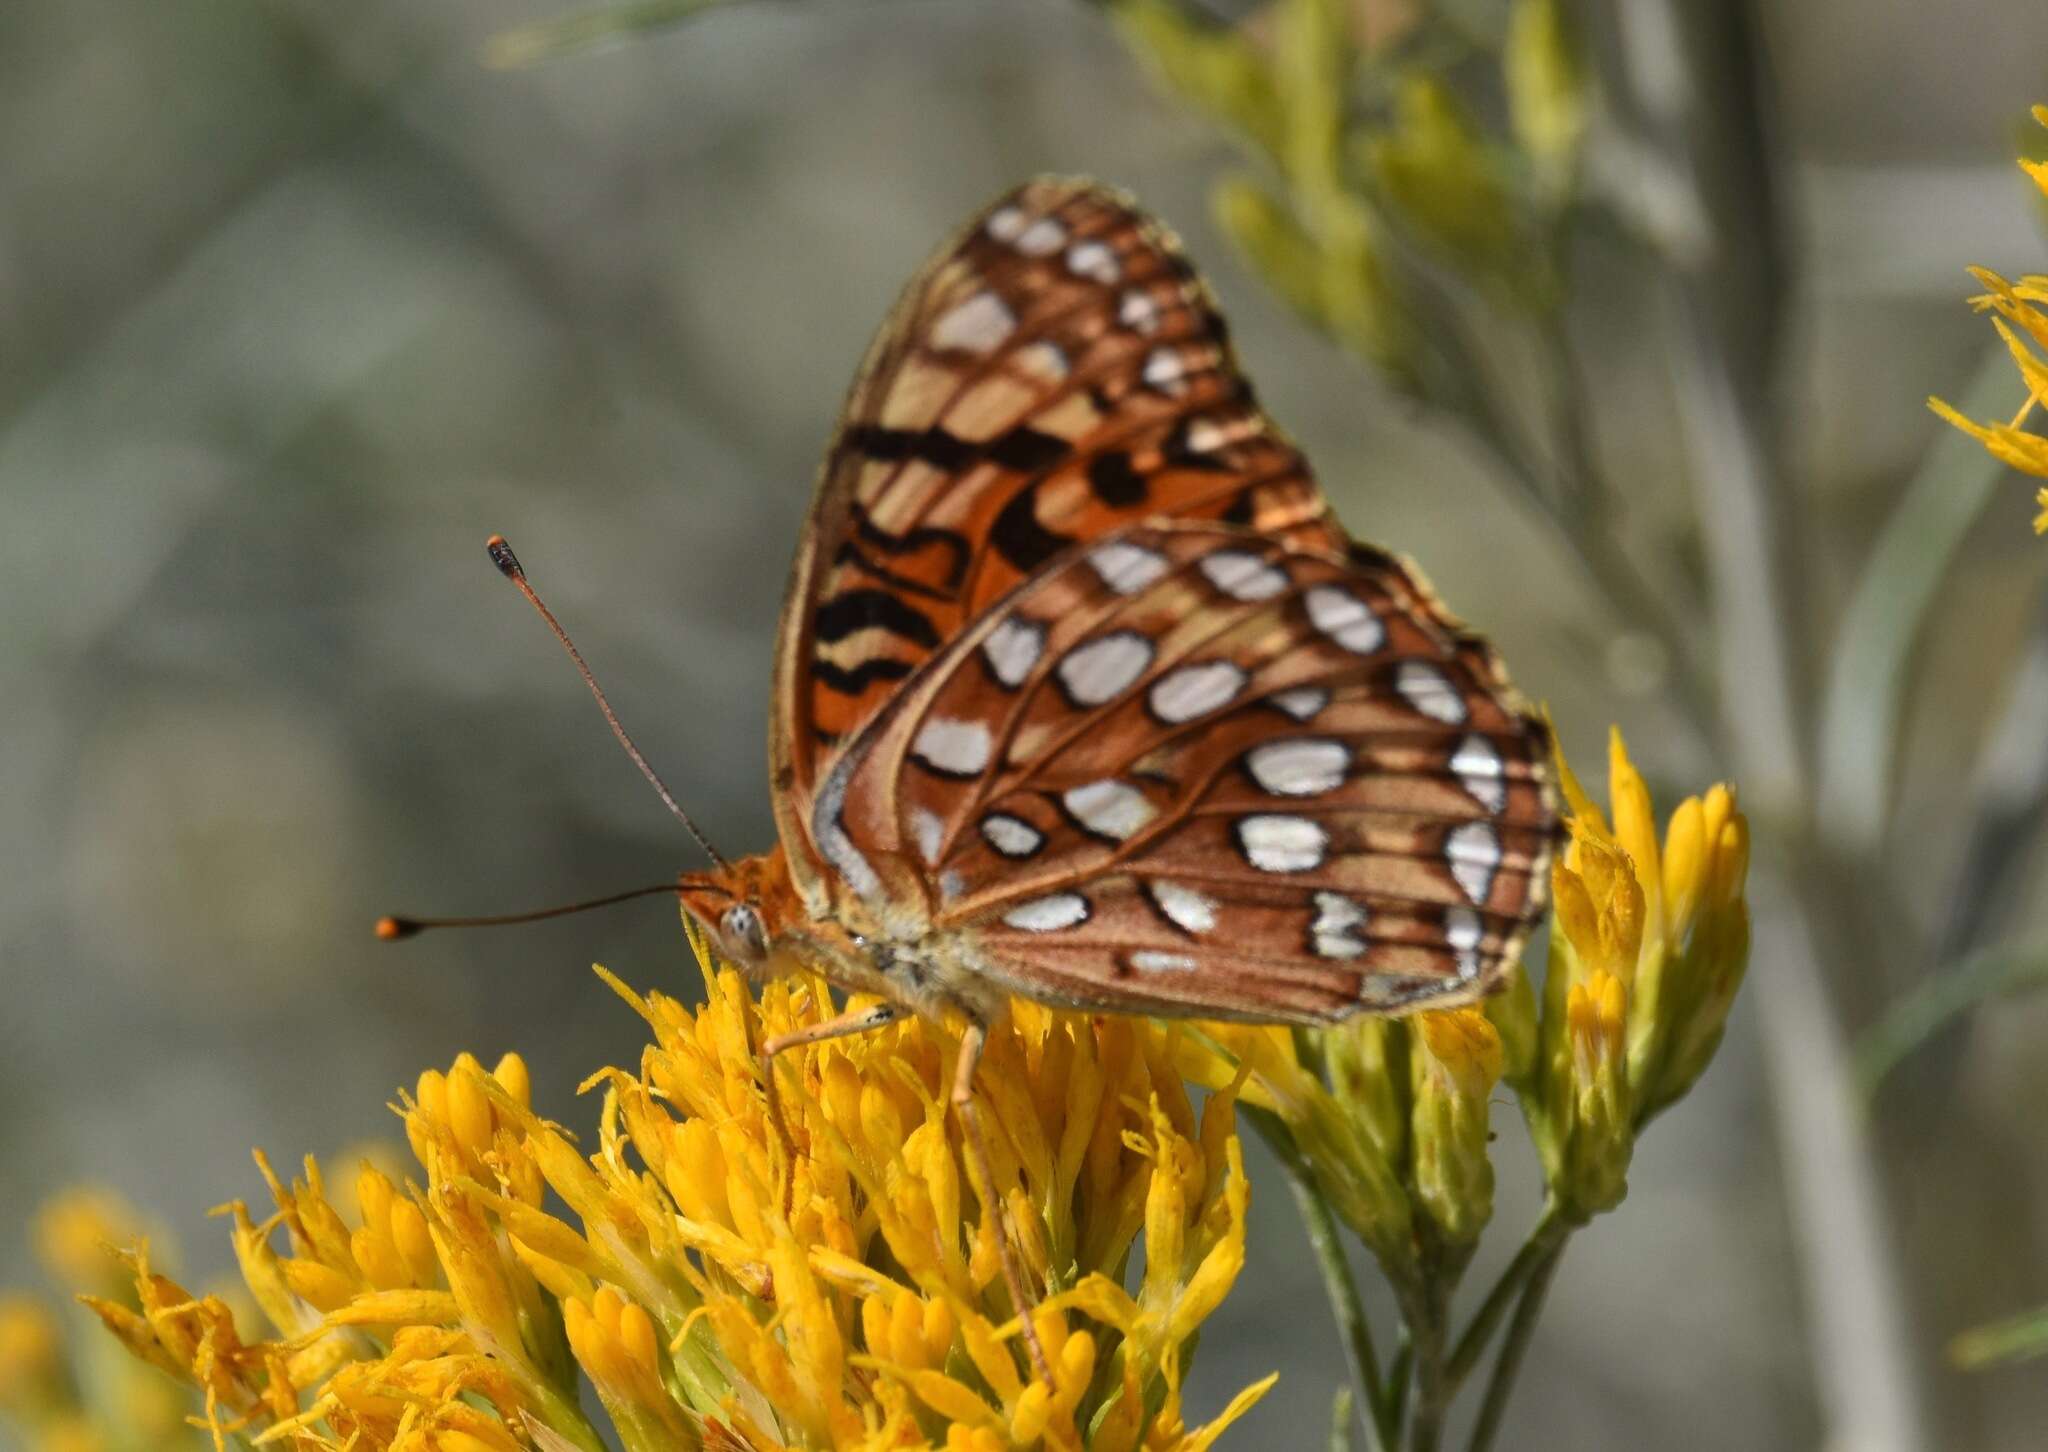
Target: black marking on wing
[
  {"x": 1027, "y": 450},
  {"x": 1114, "y": 481},
  {"x": 856, "y": 681},
  {"x": 1018, "y": 536},
  {"x": 922, "y": 537},
  {"x": 1177, "y": 452},
  {"x": 856, "y": 610},
  {"x": 934, "y": 446}
]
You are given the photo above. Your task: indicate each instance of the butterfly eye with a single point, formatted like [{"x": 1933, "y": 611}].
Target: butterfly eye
[{"x": 745, "y": 938}]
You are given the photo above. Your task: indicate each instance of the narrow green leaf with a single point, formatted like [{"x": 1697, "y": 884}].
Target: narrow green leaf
[
  {"x": 1340, "y": 1422},
  {"x": 1886, "y": 615},
  {"x": 1913, "y": 1018},
  {"x": 2017, "y": 1338},
  {"x": 529, "y": 45}
]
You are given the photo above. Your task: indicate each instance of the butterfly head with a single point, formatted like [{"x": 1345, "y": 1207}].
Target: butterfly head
[{"x": 744, "y": 907}]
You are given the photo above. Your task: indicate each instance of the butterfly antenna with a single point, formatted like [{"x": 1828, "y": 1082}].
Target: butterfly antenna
[
  {"x": 509, "y": 566},
  {"x": 392, "y": 928}
]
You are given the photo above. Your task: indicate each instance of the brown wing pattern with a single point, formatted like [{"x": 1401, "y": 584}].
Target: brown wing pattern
[
  {"x": 1055, "y": 373},
  {"x": 1194, "y": 768}
]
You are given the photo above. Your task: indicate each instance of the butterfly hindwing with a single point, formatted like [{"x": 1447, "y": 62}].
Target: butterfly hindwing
[{"x": 1194, "y": 769}]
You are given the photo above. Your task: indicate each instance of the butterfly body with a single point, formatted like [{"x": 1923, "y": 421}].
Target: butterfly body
[{"x": 1082, "y": 694}]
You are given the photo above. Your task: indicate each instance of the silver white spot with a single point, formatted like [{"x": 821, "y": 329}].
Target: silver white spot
[
  {"x": 1463, "y": 930},
  {"x": 958, "y": 748},
  {"x": 1138, "y": 312},
  {"x": 1298, "y": 767},
  {"x": 1185, "y": 908},
  {"x": 1047, "y": 360},
  {"x": 1339, "y": 928},
  {"x": 1103, "y": 668},
  {"x": 1302, "y": 702},
  {"x": 1093, "y": 259},
  {"x": 1207, "y": 435},
  {"x": 1041, "y": 238},
  {"x": 1473, "y": 850},
  {"x": 1126, "y": 568},
  {"x": 951, "y": 885},
  {"x": 1012, "y": 649},
  {"x": 829, "y": 829},
  {"x": 1108, "y": 808},
  {"x": 1430, "y": 691},
  {"x": 1345, "y": 618},
  {"x": 1242, "y": 575},
  {"x": 1049, "y": 914},
  {"x": 1275, "y": 843},
  {"x": 1012, "y": 836},
  {"x": 1195, "y": 690},
  {"x": 1151, "y": 960},
  {"x": 1481, "y": 771},
  {"x": 929, "y": 831},
  {"x": 1006, "y": 224},
  {"x": 978, "y": 325},
  {"x": 1166, "y": 371}
]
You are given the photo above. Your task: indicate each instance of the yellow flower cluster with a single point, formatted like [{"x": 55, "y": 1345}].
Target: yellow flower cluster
[
  {"x": 1388, "y": 1114},
  {"x": 728, "y": 1278},
  {"x": 1648, "y": 946},
  {"x": 2018, "y": 305}
]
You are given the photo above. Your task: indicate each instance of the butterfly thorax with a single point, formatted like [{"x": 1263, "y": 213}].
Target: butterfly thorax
[{"x": 759, "y": 920}]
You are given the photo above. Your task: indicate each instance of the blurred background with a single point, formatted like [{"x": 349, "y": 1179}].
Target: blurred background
[{"x": 299, "y": 302}]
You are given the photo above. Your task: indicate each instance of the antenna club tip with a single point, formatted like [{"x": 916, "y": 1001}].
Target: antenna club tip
[
  {"x": 501, "y": 556},
  {"x": 390, "y": 929}
]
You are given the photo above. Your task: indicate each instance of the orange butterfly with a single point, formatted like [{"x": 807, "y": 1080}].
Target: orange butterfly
[{"x": 1081, "y": 693}]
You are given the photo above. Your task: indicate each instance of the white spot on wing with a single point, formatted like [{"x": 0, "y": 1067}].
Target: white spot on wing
[
  {"x": 958, "y": 748},
  {"x": 1138, "y": 312},
  {"x": 1339, "y": 928},
  {"x": 1298, "y": 767},
  {"x": 1242, "y": 575},
  {"x": 951, "y": 885},
  {"x": 1012, "y": 648},
  {"x": 829, "y": 829},
  {"x": 1195, "y": 690},
  {"x": 978, "y": 325},
  {"x": 1095, "y": 260},
  {"x": 1274, "y": 843},
  {"x": 1151, "y": 960},
  {"x": 1042, "y": 237},
  {"x": 1108, "y": 808},
  {"x": 1473, "y": 850},
  {"x": 1126, "y": 568},
  {"x": 1463, "y": 931},
  {"x": 1185, "y": 908},
  {"x": 1166, "y": 371},
  {"x": 1429, "y": 690},
  {"x": 1006, "y": 224},
  {"x": 1103, "y": 668},
  {"x": 1049, "y": 914},
  {"x": 1345, "y": 618},
  {"x": 929, "y": 831},
  {"x": 1302, "y": 702},
  {"x": 1047, "y": 360},
  {"x": 1481, "y": 771},
  {"x": 1012, "y": 836}
]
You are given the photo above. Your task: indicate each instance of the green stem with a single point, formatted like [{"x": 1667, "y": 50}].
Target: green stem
[
  {"x": 1424, "y": 1306},
  {"x": 1544, "y": 1242},
  {"x": 1338, "y": 1282},
  {"x": 1520, "y": 1331}
]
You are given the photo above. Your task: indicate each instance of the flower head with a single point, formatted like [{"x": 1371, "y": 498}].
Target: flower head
[
  {"x": 2023, "y": 324},
  {"x": 722, "y": 1280},
  {"x": 1649, "y": 943}
]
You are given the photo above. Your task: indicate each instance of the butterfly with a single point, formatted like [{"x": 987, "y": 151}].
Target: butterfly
[{"x": 1082, "y": 694}]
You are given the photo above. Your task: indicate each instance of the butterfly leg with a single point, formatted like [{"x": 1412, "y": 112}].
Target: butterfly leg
[
  {"x": 971, "y": 1043},
  {"x": 846, "y": 1025}
]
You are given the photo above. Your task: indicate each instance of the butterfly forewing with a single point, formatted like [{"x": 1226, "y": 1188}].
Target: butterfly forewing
[
  {"x": 1057, "y": 373},
  {"x": 1077, "y": 673},
  {"x": 1193, "y": 769}
]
